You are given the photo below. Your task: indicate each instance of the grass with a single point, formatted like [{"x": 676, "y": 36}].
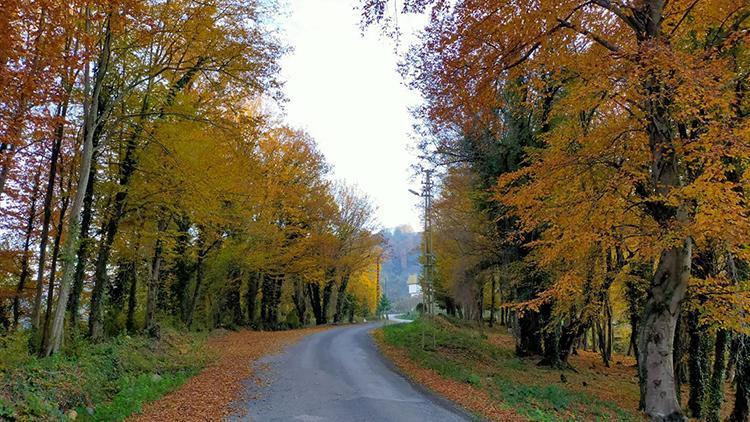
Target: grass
[
  {"x": 100, "y": 382},
  {"x": 409, "y": 316},
  {"x": 485, "y": 360}
]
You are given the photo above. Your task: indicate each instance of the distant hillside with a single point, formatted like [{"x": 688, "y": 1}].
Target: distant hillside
[{"x": 402, "y": 260}]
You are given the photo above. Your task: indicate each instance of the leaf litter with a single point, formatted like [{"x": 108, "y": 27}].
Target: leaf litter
[{"x": 209, "y": 396}]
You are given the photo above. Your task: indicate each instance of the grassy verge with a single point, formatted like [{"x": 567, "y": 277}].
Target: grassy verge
[
  {"x": 409, "y": 316},
  {"x": 485, "y": 363},
  {"x": 106, "y": 382}
]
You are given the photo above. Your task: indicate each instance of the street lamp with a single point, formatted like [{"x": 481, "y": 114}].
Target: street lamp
[{"x": 414, "y": 192}]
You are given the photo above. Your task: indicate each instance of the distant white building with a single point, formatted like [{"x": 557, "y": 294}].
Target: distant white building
[{"x": 414, "y": 288}]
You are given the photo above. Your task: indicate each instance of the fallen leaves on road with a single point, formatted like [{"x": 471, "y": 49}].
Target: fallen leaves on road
[
  {"x": 208, "y": 396},
  {"x": 469, "y": 397}
]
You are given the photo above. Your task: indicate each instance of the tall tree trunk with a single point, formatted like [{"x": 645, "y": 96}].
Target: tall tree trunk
[
  {"x": 71, "y": 243},
  {"x": 656, "y": 335},
  {"x": 5, "y": 319},
  {"x": 269, "y": 311},
  {"x": 132, "y": 300},
  {"x": 601, "y": 330},
  {"x": 53, "y": 266},
  {"x": 570, "y": 334},
  {"x": 96, "y": 314},
  {"x": 635, "y": 298},
  {"x": 154, "y": 282},
  {"x": 669, "y": 283},
  {"x": 492, "y": 300},
  {"x": 6, "y": 157},
  {"x": 550, "y": 337},
  {"x": 608, "y": 314},
  {"x": 480, "y": 306},
  {"x": 314, "y": 294},
  {"x": 585, "y": 339},
  {"x": 117, "y": 293},
  {"x": 327, "y": 294},
  {"x": 341, "y": 294},
  {"x": 231, "y": 298},
  {"x": 698, "y": 365},
  {"x": 741, "y": 411},
  {"x": 351, "y": 312},
  {"x": 24, "y": 276},
  {"x": 127, "y": 168},
  {"x": 251, "y": 296},
  {"x": 716, "y": 389},
  {"x": 300, "y": 300},
  {"x": 61, "y": 113},
  {"x": 678, "y": 355},
  {"x": 199, "y": 274},
  {"x": 528, "y": 329},
  {"x": 85, "y": 241},
  {"x": 278, "y": 284},
  {"x": 183, "y": 269}
]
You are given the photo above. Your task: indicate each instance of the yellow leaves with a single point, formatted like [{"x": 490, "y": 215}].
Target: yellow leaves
[
  {"x": 721, "y": 302},
  {"x": 363, "y": 286}
]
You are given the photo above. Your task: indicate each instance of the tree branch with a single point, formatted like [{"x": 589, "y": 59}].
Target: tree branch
[{"x": 606, "y": 44}]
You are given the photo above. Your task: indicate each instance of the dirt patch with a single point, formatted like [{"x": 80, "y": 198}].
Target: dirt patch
[
  {"x": 208, "y": 396},
  {"x": 464, "y": 394}
]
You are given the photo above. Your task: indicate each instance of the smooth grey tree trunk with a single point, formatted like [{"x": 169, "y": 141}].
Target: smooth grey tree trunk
[
  {"x": 71, "y": 244},
  {"x": 62, "y": 111},
  {"x": 656, "y": 334}
]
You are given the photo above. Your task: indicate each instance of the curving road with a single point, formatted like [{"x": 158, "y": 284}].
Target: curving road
[{"x": 339, "y": 375}]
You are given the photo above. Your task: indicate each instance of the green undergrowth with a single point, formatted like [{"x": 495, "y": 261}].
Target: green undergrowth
[
  {"x": 459, "y": 352},
  {"x": 99, "y": 382}
]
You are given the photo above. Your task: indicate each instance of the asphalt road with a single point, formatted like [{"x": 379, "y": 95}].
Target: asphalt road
[{"x": 339, "y": 375}]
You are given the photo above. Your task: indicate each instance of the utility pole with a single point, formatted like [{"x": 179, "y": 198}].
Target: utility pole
[{"x": 428, "y": 257}]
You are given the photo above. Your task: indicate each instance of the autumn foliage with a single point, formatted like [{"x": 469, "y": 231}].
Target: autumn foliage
[
  {"x": 144, "y": 181},
  {"x": 595, "y": 152}
]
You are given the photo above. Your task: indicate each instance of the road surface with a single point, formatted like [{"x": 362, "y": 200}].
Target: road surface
[{"x": 339, "y": 375}]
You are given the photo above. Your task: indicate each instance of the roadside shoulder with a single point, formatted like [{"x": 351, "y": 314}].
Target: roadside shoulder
[{"x": 457, "y": 395}]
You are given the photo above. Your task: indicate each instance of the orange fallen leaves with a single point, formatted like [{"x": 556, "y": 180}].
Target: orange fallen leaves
[{"x": 209, "y": 395}]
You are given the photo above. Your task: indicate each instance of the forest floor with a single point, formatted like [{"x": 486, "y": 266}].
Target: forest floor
[
  {"x": 209, "y": 395},
  {"x": 478, "y": 370}
]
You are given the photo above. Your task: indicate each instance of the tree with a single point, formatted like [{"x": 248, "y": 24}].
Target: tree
[
  {"x": 636, "y": 158},
  {"x": 384, "y": 305},
  {"x": 90, "y": 121}
]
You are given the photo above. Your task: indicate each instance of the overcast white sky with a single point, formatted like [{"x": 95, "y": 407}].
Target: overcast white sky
[{"x": 344, "y": 90}]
